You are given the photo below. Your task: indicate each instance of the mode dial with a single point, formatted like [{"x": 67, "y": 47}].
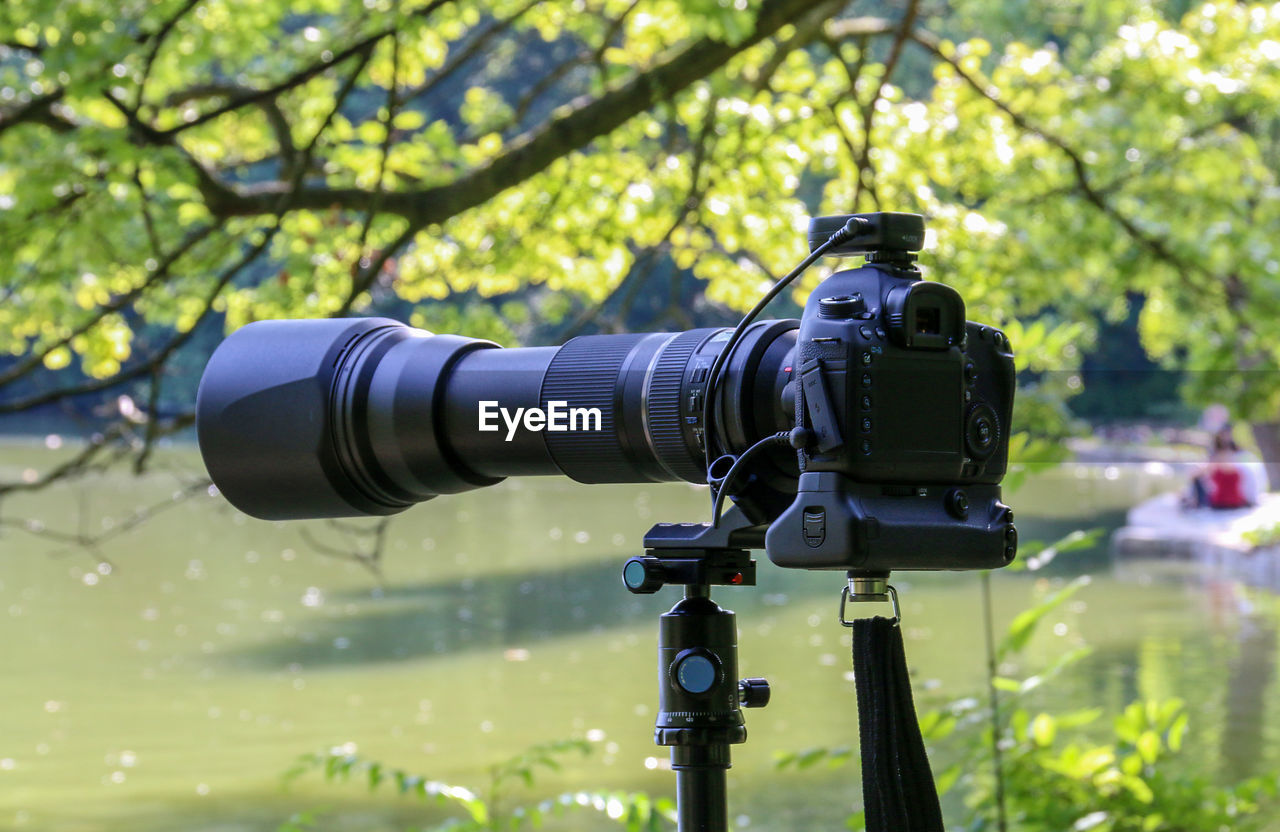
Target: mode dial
[{"x": 844, "y": 306}]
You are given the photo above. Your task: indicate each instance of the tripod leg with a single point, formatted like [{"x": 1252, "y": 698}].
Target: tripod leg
[{"x": 702, "y": 800}]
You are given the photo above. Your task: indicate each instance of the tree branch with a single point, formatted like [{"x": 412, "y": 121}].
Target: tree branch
[
  {"x": 853, "y": 73},
  {"x": 365, "y": 270},
  {"x": 576, "y": 125},
  {"x": 39, "y": 110},
  {"x": 630, "y": 284},
  {"x": 806, "y": 29},
  {"x": 156, "y": 359},
  {"x": 474, "y": 47},
  {"x": 159, "y": 275},
  {"x": 157, "y": 41},
  {"x": 585, "y": 56},
  {"x": 78, "y": 464},
  {"x": 369, "y": 555},
  {"x": 90, "y": 543},
  {"x": 1158, "y": 247},
  {"x": 362, "y": 47},
  {"x": 270, "y": 108},
  {"x": 866, "y": 171}
]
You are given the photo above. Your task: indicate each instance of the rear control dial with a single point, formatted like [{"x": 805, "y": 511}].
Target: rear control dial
[{"x": 981, "y": 431}]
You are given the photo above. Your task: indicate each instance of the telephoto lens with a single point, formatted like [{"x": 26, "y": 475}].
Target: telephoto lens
[{"x": 350, "y": 417}]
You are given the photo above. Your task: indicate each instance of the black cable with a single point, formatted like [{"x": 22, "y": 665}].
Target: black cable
[
  {"x": 850, "y": 229},
  {"x": 783, "y": 437}
]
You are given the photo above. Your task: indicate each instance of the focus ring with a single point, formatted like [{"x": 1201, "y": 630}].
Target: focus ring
[
  {"x": 584, "y": 374},
  {"x": 662, "y": 409}
]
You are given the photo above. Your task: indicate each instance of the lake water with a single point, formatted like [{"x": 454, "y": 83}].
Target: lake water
[{"x": 170, "y": 689}]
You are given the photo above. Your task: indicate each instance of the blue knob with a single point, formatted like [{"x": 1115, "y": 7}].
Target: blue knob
[{"x": 696, "y": 673}]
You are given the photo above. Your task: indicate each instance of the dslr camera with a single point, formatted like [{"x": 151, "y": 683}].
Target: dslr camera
[{"x": 877, "y": 424}]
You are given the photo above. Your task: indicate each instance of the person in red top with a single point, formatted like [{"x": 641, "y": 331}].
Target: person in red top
[{"x": 1224, "y": 483}]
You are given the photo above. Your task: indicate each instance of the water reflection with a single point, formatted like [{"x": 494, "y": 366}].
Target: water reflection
[
  {"x": 1249, "y": 674},
  {"x": 308, "y": 653},
  {"x": 422, "y": 620},
  {"x": 519, "y": 609},
  {"x": 1226, "y": 631}
]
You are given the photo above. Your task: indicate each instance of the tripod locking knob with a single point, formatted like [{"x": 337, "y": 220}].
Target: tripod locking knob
[
  {"x": 644, "y": 575},
  {"x": 753, "y": 693}
]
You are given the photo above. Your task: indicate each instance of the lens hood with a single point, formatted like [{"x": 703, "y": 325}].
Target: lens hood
[{"x": 264, "y": 420}]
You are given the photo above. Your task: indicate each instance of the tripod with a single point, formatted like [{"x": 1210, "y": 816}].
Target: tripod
[
  {"x": 699, "y": 694},
  {"x": 700, "y": 697}
]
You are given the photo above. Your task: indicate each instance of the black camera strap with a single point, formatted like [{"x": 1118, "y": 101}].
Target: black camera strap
[{"x": 897, "y": 783}]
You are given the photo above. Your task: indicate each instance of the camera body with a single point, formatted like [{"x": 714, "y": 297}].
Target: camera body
[{"x": 905, "y": 408}]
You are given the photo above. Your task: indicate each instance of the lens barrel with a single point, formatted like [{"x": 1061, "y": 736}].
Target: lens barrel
[{"x": 332, "y": 418}]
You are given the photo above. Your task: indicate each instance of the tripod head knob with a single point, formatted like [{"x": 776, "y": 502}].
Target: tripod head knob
[
  {"x": 753, "y": 692},
  {"x": 643, "y": 575}
]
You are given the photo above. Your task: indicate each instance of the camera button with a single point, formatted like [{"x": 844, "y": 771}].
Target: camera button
[
  {"x": 866, "y": 358},
  {"x": 880, "y": 333},
  {"x": 866, "y": 402},
  {"x": 866, "y": 379},
  {"x": 865, "y": 332},
  {"x": 866, "y": 424},
  {"x": 866, "y": 446},
  {"x": 815, "y": 527}
]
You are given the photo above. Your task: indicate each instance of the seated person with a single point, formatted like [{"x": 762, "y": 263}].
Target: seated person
[
  {"x": 1230, "y": 480},
  {"x": 1227, "y": 486}
]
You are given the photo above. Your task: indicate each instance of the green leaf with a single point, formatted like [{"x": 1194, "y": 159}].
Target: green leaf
[
  {"x": 1176, "y": 732},
  {"x": 1072, "y": 542},
  {"x": 947, "y": 779},
  {"x": 1043, "y": 730},
  {"x": 408, "y": 120},
  {"x": 937, "y": 725},
  {"x": 810, "y": 757},
  {"x": 1149, "y": 746},
  {"x": 1078, "y": 719},
  {"x": 1131, "y": 722},
  {"x": 1006, "y": 684},
  {"x": 1025, "y": 623}
]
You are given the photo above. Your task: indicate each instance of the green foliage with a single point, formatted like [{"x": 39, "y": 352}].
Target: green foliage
[
  {"x": 308, "y": 821},
  {"x": 1057, "y": 773},
  {"x": 1088, "y": 160},
  {"x": 491, "y": 808},
  {"x": 1024, "y": 624},
  {"x": 176, "y": 163},
  {"x": 1034, "y": 554},
  {"x": 1130, "y": 783},
  {"x": 1264, "y": 537}
]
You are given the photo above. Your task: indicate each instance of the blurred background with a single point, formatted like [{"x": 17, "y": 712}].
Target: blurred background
[{"x": 1100, "y": 179}]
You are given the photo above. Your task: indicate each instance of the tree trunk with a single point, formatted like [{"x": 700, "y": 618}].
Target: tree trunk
[{"x": 1267, "y": 435}]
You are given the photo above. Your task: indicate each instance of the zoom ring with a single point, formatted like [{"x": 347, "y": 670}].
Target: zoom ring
[
  {"x": 662, "y": 410},
  {"x": 584, "y": 374}
]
